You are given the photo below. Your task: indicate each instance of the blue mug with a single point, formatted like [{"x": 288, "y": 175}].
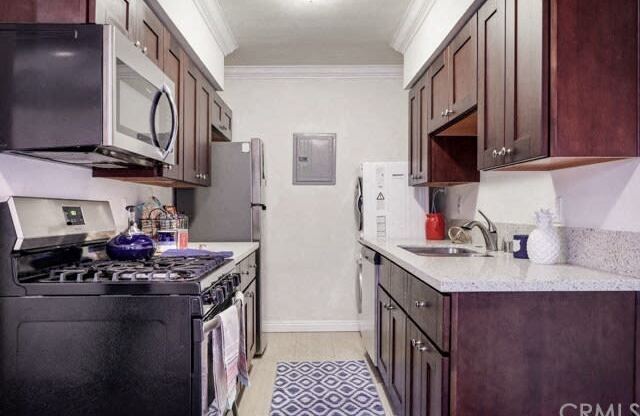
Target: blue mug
[{"x": 520, "y": 246}]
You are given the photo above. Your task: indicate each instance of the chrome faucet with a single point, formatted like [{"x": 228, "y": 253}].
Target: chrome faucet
[{"x": 489, "y": 232}]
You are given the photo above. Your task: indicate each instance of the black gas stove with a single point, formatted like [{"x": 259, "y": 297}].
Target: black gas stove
[
  {"x": 159, "y": 269},
  {"x": 82, "y": 334}
]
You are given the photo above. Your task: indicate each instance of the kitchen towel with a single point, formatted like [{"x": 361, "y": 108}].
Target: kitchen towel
[{"x": 233, "y": 350}]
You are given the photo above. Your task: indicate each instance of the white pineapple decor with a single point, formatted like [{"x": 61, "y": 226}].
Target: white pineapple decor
[{"x": 544, "y": 245}]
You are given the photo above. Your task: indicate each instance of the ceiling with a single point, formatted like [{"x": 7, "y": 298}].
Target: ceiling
[{"x": 314, "y": 32}]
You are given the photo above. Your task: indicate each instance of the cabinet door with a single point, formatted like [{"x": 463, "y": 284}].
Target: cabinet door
[
  {"x": 463, "y": 70},
  {"x": 427, "y": 376},
  {"x": 122, "y": 14},
  {"x": 438, "y": 79},
  {"x": 222, "y": 119},
  {"x": 423, "y": 134},
  {"x": 151, "y": 34},
  {"x": 174, "y": 62},
  {"x": 190, "y": 126},
  {"x": 491, "y": 61},
  {"x": 414, "y": 133},
  {"x": 203, "y": 116},
  {"x": 383, "y": 336},
  {"x": 526, "y": 135},
  {"x": 397, "y": 370},
  {"x": 250, "y": 321}
]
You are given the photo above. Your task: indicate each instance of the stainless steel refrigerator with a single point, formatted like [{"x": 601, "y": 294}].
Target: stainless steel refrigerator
[{"x": 231, "y": 209}]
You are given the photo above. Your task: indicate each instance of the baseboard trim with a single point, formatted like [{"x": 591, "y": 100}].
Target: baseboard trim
[{"x": 310, "y": 326}]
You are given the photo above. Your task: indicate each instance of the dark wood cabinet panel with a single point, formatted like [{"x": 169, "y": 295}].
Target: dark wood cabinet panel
[
  {"x": 397, "y": 347},
  {"x": 123, "y": 14},
  {"x": 438, "y": 79},
  {"x": 419, "y": 135},
  {"x": 249, "y": 311},
  {"x": 190, "y": 126},
  {"x": 463, "y": 70},
  {"x": 222, "y": 119},
  {"x": 383, "y": 335},
  {"x": 427, "y": 376},
  {"x": 594, "y": 78},
  {"x": 174, "y": 66},
  {"x": 151, "y": 34},
  {"x": 491, "y": 87},
  {"x": 398, "y": 285},
  {"x": 47, "y": 11},
  {"x": 413, "y": 134},
  {"x": 203, "y": 116},
  {"x": 431, "y": 310}
]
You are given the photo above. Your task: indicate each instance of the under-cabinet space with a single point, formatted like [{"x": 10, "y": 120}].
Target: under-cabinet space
[{"x": 453, "y": 160}]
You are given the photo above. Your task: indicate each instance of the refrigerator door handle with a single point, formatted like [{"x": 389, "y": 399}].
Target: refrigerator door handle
[{"x": 263, "y": 206}]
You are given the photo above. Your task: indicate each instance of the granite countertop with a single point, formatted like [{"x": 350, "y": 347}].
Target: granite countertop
[
  {"x": 500, "y": 273},
  {"x": 240, "y": 249}
]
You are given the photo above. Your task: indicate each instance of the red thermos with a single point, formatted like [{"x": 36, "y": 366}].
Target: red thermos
[{"x": 434, "y": 226}]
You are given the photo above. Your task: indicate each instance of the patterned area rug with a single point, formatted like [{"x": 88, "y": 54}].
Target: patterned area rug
[{"x": 319, "y": 388}]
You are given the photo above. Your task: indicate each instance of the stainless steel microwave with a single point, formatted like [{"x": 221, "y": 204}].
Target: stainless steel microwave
[{"x": 83, "y": 94}]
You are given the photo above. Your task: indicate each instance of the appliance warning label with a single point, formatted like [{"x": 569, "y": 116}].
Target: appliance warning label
[{"x": 380, "y": 202}]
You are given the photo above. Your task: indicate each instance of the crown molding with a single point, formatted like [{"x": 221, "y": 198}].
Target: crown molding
[
  {"x": 413, "y": 18},
  {"x": 218, "y": 25},
  {"x": 313, "y": 71}
]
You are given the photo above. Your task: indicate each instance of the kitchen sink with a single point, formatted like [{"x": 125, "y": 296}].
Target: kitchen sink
[{"x": 444, "y": 251}]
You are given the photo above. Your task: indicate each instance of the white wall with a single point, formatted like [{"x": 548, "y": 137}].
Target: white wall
[
  {"x": 442, "y": 17},
  {"x": 602, "y": 196},
  {"x": 310, "y": 239},
  {"x": 188, "y": 20},
  {"x": 22, "y": 176}
]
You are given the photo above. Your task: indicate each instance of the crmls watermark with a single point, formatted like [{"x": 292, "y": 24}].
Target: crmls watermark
[{"x": 588, "y": 409}]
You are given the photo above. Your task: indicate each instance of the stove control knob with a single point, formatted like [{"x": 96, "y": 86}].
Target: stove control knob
[{"x": 207, "y": 298}]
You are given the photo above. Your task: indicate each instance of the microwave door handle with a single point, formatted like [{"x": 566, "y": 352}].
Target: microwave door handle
[{"x": 174, "y": 121}]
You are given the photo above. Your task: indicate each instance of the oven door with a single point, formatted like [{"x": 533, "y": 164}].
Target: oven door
[{"x": 141, "y": 113}]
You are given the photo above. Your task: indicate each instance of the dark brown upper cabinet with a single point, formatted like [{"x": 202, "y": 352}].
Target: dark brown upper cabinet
[
  {"x": 418, "y": 135},
  {"x": 204, "y": 103},
  {"x": 222, "y": 120},
  {"x": 558, "y": 84},
  {"x": 122, "y": 13},
  {"x": 151, "y": 35},
  {"x": 452, "y": 79},
  {"x": 491, "y": 61},
  {"x": 174, "y": 60}
]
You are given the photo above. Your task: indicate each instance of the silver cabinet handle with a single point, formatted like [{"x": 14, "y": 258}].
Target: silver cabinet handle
[
  {"x": 197, "y": 176},
  {"x": 449, "y": 112},
  {"x": 421, "y": 304},
  {"x": 137, "y": 44},
  {"x": 391, "y": 307},
  {"x": 494, "y": 154},
  {"x": 510, "y": 151},
  {"x": 502, "y": 151},
  {"x": 422, "y": 348},
  {"x": 144, "y": 50},
  {"x": 444, "y": 113},
  {"x": 416, "y": 343}
]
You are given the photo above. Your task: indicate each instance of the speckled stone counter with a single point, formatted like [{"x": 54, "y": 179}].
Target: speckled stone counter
[{"x": 499, "y": 273}]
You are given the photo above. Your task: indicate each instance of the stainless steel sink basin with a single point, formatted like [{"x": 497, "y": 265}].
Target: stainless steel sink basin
[{"x": 444, "y": 251}]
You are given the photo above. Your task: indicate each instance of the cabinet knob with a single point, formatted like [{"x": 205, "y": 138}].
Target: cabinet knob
[
  {"x": 444, "y": 113},
  {"x": 494, "y": 154},
  {"x": 421, "y": 304},
  {"x": 144, "y": 50},
  {"x": 170, "y": 167},
  {"x": 510, "y": 151},
  {"x": 416, "y": 343},
  {"x": 449, "y": 111},
  {"x": 502, "y": 151},
  {"x": 137, "y": 44},
  {"x": 422, "y": 348}
]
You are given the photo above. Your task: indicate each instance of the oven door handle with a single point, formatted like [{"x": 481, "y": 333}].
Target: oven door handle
[{"x": 164, "y": 152}]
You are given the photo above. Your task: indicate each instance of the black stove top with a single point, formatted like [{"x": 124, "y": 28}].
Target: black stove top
[{"x": 159, "y": 269}]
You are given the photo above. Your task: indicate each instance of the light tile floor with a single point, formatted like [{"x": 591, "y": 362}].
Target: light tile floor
[{"x": 308, "y": 346}]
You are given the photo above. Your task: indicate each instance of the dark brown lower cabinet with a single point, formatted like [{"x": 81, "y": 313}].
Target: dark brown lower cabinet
[
  {"x": 384, "y": 348},
  {"x": 427, "y": 381},
  {"x": 392, "y": 347},
  {"x": 249, "y": 312}
]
